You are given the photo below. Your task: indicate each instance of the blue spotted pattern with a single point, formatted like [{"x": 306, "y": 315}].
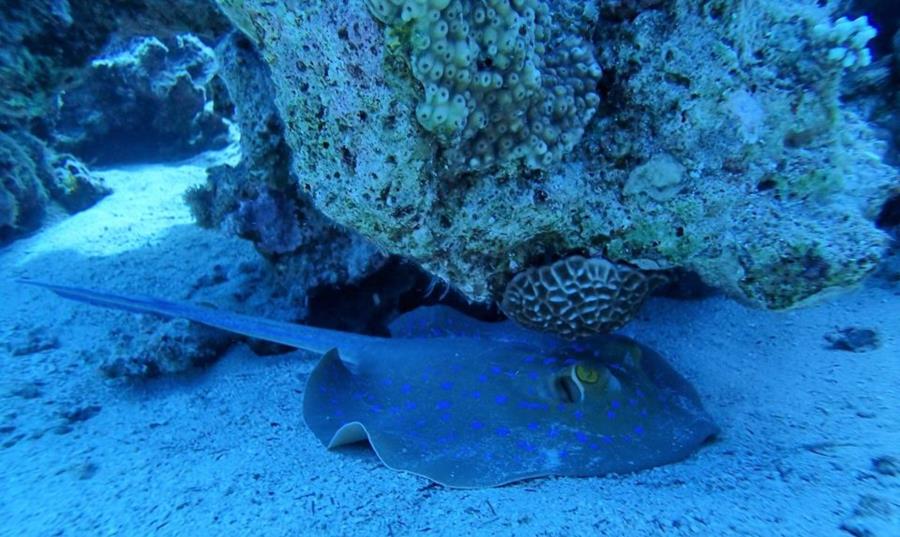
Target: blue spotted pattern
[
  {"x": 470, "y": 404},
  {"x": 495, "y": 413}
]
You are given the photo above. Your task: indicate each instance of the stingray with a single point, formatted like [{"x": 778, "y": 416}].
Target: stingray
[{"x": 469, "y": 404}]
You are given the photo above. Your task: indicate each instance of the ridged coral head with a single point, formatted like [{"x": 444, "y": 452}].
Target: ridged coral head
[{"x": 578, "y": 297}]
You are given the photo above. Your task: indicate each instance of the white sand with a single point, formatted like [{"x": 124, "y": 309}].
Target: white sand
[{"x": 225, "y": 452}]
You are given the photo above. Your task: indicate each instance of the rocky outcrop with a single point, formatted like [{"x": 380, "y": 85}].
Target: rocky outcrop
[
  {"x": 144, "y": 100},
  {"x": 770, "y": 185}
]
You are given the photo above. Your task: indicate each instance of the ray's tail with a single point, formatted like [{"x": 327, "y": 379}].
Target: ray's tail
[{"x": 298, "y": 336}]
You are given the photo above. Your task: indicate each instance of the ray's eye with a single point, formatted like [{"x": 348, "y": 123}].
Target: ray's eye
[{"x": 587, "y": 374}]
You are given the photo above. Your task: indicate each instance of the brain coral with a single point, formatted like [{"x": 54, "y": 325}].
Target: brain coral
[
  {"x": 577, "y": 297},
  {"x": 770, "y": 184}
]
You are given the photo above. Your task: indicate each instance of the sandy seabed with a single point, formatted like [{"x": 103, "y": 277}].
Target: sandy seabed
[{"x": 810, "y": 435}]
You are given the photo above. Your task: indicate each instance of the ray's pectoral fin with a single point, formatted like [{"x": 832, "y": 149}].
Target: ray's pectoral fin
[
  {"x": 349, "y": 433},
  {"x": 331, "y": 383}
]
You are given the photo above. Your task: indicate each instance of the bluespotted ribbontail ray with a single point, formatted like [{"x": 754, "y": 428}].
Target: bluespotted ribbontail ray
[{"x": 470, "y": 404}]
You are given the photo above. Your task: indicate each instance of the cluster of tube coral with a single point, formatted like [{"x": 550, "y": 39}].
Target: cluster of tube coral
[{"x": 501, "y": 82}]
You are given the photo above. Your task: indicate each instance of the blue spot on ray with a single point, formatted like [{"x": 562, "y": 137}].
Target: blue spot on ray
[{"x": 525, "y": 445}]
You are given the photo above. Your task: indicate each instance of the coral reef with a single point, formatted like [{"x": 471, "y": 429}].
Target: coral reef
[
  {"x": 34, "y": 176},
  {"x": 502, "y": 82},
  {"x": 72, "y": 185},
  {"x": 46, "y": 44},
  {"x": 847, "y": 40},
  {"x": 265, "y": 157},
  {"x": 45, "y": 50},
  {"x": 772, "y": 184},
  {"x": 259, "y": 199},
  {"x": 22, "y": 195},
  {"x": 334, "y": 276},
  {"x": 772, "y": 160},
  {"x": 143, "y": 100}
]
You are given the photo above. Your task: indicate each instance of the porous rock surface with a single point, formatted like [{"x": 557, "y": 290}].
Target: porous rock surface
[{"x": 777, "y": 189}]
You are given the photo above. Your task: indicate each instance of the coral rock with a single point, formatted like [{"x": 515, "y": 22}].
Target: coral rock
[{"x": 772, "y": 200}]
